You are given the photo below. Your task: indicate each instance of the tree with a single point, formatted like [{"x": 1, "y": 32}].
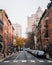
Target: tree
[{"x": 19, "y": 41}]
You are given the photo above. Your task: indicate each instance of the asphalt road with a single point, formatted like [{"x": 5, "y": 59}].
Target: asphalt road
[{"x": 25, "y": 58}]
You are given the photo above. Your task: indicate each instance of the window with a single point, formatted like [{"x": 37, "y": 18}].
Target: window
[{"x": 50, "y": 21}]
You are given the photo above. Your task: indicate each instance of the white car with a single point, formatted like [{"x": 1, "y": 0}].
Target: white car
[{"x": 38, "y": 53}]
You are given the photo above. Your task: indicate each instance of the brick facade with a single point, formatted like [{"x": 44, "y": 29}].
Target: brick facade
[
  {"x": 44, "y": 34},
  {"x": 6, "y": 32}
]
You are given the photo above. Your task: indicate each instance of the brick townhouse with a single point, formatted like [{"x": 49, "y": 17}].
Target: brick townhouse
[
  {"x": 6, "y": 31},
  {"x": 44, "y": 34}
]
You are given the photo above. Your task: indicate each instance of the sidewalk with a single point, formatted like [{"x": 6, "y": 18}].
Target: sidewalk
[
  {"x": 2, "y": 57},
  {"x": 48, "y": 57}
]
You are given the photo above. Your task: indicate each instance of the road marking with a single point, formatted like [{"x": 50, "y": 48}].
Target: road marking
[
  {"x": 32, "y": 61},
  {"x": 6, "y": 61},
  {"x": 24, "y": 61},
  {"x": 15, "y": 61},
  {"x": 0, "y": 60},
  {"x": 17, "y": 56},
  {"x": 41, "y": 61},
  {"x": 28, "y": 61},
  {"x": 49, "y": 61}
]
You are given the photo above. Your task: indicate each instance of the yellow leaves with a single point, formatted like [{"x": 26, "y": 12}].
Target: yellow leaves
[{"x": 19, "y": 41}]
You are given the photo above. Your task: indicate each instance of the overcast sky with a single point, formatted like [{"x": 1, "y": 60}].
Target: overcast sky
[{"x": 18, "y": 10}]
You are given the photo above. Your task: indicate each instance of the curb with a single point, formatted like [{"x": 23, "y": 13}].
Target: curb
[{"x": 6, "y": 57}]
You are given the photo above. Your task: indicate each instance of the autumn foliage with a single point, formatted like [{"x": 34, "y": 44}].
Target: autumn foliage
[{"x": 19, "y": 41}]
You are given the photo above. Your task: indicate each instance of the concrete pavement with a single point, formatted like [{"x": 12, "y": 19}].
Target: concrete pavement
[
  {"x": 25, "y": 58},
  {"x": 2, "y": 59}
]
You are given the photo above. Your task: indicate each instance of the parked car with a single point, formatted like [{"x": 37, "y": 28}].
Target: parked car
[
  {"x": 38, "y": 53},
  {"x": 28, "y": 49},
  {"x": 21, "y": 49},
  {"x": 33, "y": 51}
]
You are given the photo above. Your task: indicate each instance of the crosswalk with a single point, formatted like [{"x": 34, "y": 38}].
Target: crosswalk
[{"x": 24, "y": 61}]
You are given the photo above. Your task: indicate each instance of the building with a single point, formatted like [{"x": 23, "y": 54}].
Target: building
[
  {"x": 1, "y": 34},
  {"x": 44, "y": 37},
  {"x": 33, "y": 21},
  {"x": 17, "y": 30},
  {"x": 6, "y": 31}
]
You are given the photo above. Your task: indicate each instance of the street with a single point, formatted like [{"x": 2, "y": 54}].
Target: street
[
  {"x": 25, "y": 32},
  {"x": 25, "y": 58}
]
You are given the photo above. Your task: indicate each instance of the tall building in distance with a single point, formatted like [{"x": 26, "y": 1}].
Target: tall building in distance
[
  {"x": 34, "y": 19},
  {"x": 32, "y": 23},
  {"x": 17, "y": 30}
]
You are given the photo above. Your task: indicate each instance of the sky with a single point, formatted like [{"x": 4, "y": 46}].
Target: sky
[{"x": 18, "y": 10}]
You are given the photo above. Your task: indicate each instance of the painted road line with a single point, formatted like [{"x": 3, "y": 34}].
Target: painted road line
[
  {"x": 17, "y": 56},
  {"x": 49, "y": 61},
  {"x": 6, "y": 61},
  {"x": 32, "y": 60},
  {"x": 1, "y": 60},
  {"x": 15, "y": 61},
  {"x": 41, "y": 61},
  {"x": 23, "y": 60}
]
